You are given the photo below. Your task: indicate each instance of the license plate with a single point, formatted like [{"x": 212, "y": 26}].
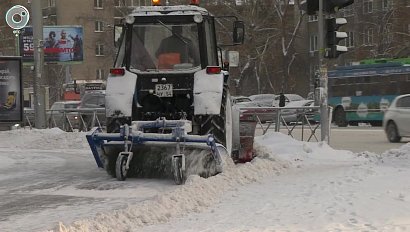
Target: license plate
[{"x": 163, "y": 90}]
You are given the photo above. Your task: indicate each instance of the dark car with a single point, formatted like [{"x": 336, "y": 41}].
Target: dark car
[{"x": 92, "y": 110}]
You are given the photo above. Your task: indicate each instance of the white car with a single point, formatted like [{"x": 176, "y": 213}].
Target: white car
[
  {"x": 396, "y": 121},
  {"x": 288, "y": 98},
  {"x": 262, "y": 100}
]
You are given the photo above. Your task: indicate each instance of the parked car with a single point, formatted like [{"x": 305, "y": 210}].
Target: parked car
[
  {"x": 396, "y": 121},
  {"x": 262, "y": 100},
  {"x": 294, "y": 115},
  {"x": 64, "y": 114},
  {"x": 288, "y": 98},
  {"x": 92, "y": 110}
]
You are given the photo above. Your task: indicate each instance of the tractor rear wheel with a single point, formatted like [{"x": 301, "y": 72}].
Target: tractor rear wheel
[{"x": 220, "y": 126}]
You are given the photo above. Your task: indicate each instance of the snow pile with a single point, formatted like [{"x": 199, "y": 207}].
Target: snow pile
[
  {"x": 277, "y": 145},
  {"x": 45, "y": 139},
  {"x": 196, "y": 195},
  {"x": 400, "y": 156},
  {"x": 276, "y": 152}
]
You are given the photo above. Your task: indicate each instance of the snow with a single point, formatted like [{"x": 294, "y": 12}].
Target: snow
[{"x": 291, "y": 186}]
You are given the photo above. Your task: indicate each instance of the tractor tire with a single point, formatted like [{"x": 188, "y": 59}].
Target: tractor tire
[
  {"x": 120, "y": 167},
  {"x": 178, "y": 173},
  {"x": 220, "y": 126}
]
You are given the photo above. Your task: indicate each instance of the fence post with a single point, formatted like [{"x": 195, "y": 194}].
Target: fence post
[{"x": 277, "y": 123}]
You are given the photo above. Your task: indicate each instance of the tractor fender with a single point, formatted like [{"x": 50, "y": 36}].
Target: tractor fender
[
  {"x": 208, "y": 89},
  {"x": 119, "y": 94}
]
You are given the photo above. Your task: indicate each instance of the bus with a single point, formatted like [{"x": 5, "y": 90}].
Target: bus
[{"x": 362, "y": 93}]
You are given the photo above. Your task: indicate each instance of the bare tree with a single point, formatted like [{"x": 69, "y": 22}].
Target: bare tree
[{"x": 272, "y": 27}]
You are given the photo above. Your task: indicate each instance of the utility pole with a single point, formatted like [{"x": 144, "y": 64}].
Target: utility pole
[
  {"x": 38, "y": 87},
  {"x": 324, "y": 115}
]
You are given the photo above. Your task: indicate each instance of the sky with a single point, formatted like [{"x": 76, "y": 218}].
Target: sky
[{"x": 291, "y": 186}]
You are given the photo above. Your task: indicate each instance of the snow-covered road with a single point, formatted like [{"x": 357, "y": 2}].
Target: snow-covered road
[{"x": 49, "y": 176}]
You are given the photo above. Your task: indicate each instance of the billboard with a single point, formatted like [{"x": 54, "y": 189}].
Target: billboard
[
  {"x": 62, "y": 44},
  {"x": 11, "y": 94}
]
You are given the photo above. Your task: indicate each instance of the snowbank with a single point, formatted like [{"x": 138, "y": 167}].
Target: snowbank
[{"x": 276, "y": 152}]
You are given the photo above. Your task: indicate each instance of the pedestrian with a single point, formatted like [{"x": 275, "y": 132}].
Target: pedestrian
[{"x": 282, "y": 100}]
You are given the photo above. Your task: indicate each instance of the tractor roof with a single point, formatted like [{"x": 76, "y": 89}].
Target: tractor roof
[{"x": 169, "y": 10}]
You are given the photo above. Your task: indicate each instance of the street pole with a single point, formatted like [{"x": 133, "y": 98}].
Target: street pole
[
  {"x": 324, "y": 115},
  {"x": 38, "y": 87}
]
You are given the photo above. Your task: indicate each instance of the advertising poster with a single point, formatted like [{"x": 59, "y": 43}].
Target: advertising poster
[
  {"x": 11, "y": 107},
  {"x": 62, "y": 44}
]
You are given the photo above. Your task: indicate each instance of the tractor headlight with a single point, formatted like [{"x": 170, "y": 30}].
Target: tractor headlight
[{"x": 198, "y": 18}]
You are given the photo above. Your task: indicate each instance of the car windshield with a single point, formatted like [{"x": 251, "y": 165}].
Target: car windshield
[
  {"x": 160, "y": 46},
  {"x": 71, "y": 106},
  {"x": 262, "y": 97},
  {"x": 242, "y": 99}
]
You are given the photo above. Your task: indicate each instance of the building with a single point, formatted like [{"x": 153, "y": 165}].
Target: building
[{"x": 97, "y": 18}]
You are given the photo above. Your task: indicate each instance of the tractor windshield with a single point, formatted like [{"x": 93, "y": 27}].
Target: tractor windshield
[{"x": 160, "y": 46}]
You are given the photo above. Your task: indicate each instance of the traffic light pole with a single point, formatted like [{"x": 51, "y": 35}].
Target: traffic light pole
[{"x": 324, "y": 115}]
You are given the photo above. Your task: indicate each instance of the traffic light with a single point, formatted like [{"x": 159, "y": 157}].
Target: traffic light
[
  {"x": 333, "y": 6},
  {"x": 329, "y": 6},
  {"x": 310, "y": 6},
  {"x": 333, "y": 37}
]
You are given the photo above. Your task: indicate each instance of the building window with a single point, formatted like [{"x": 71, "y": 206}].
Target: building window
[
  {"x": 117, "y": 20},
  {"x": 348, "y": 11},
  {"x": 313, "y": 43},
  {"x": 140, "y": 2},
  {"x": 51, "y": 3},
  {"x": 98, "y": 4},
  {"x": 99, "y": 26},
  {"x": 312, "y": 18},
  {"x": 349, "y": 42},
  {"x": 386, "y": 5},
  {"x": 367, "y": 6},
  {"x": 99, "y": 50},
  {"x": 99, "y": 74},
  {"x": 368, "y": 36},
  {"x": 119, "y": 3}
]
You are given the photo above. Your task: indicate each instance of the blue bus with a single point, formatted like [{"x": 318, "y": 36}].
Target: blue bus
[{"x": 361, "y": 93}]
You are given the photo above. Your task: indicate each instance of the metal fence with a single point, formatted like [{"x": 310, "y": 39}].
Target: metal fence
[
  {"x": 306, "y": 119},
  {"x": 69, "y": 119}
]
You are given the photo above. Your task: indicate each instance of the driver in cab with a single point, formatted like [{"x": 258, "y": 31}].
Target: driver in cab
[{"x": 176, "y": 49}]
